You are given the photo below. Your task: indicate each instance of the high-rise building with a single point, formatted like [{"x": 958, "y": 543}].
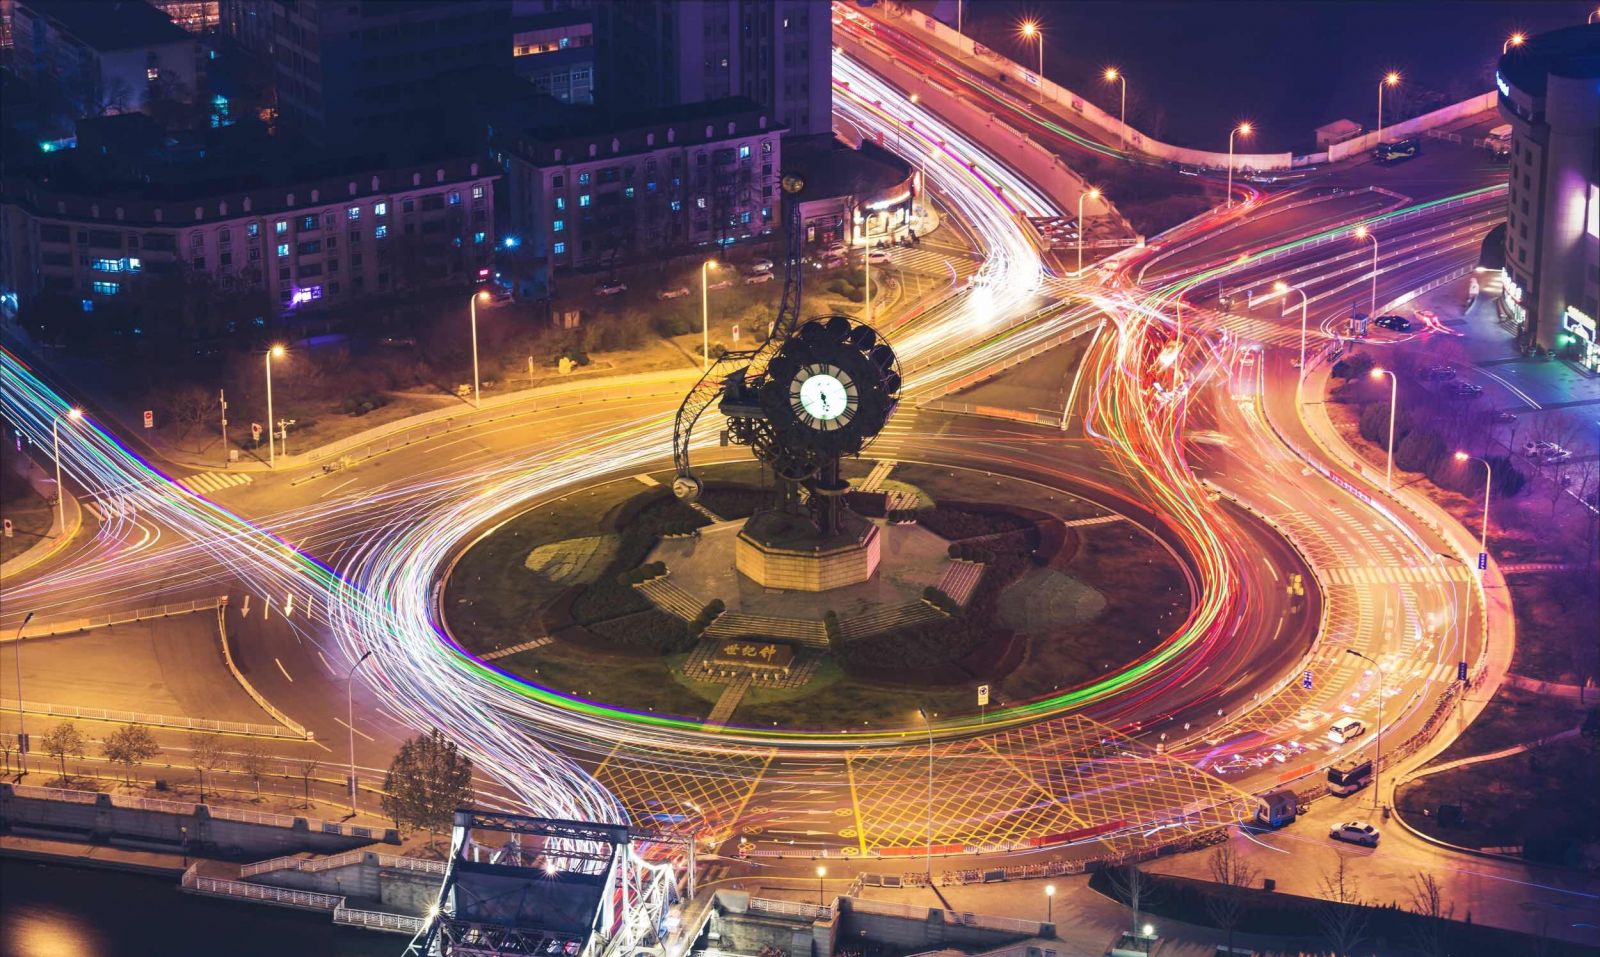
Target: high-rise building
[
  {"x": 105, "y": 58},
  {"x": 346, "y": 69},
  {"x": 655, "y": 53},
  {"x": 1550, "y": 92}
]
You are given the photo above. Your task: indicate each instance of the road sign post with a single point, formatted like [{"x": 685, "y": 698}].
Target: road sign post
[
  {"x": 983, "y": 703},
  {"x": 1305, "y": 681},
  {"x": 149, "y": 419}
]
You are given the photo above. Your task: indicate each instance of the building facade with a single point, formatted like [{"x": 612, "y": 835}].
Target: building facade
[
  {"x": 307, "y": 244},
  {"x": 555, "y": 52},
  {"x": 700, "y": 175},
  {"x": 1550, "y": 93},
  {"x": 778, "y": 53},
  {"x": 105, "y": 58}
]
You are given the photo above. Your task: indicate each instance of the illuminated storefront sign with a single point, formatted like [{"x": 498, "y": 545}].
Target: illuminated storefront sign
[
  {"x": 1576, "y": 322},
  {"x": 1513, "y": 291},
  {"x": 1500, "y": 81}
]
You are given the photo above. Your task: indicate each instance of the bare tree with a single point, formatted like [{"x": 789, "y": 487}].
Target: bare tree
[
  {"x": 205, "y": 756},
  {"x": 1232, "y": 874},
  {"x": 1341, "y": 914},
  {"x": 1133, "y": 887},
  {"x": 64, "y": 741},
  {"x": 1428, "y": 903},
  {"x": 130, "y": 746},
  {"x": 305, "y": 769},
  {"x": 191, "y": 405},
  {"x": 253, "y": 760}
]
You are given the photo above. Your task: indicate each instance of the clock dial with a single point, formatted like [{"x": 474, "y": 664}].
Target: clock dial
[{"x": 823, "y": 396}]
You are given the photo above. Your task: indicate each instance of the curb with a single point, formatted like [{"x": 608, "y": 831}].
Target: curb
[{"x": 45, "y": 550}]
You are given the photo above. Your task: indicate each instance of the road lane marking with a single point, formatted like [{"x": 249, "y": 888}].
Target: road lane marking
[
  {"x": 284, "y": 670},
  {"x": 356, "y": 730},
  {"x": 338, "y": 487},
  {"x": 644, "y": 479}
]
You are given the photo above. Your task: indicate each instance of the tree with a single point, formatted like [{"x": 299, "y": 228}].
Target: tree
[
  {"x": 205, "y": 755},
  {"x": 1419, "y": 451},
  {"x": 64, "y": 741},
  {"x": 1232, "y": 874},
  {"x": 1132, "y": 886},
  {"x": 191, "y": 405},
  {"x": 253, "y": 761},
  {"x": 1340, "y": 914},
  {"x": 306, "y": 769},
  {"x": 428, "y": 779},
  {"x": 129, "y": 746},
  {"x": 1428, "y": 903}
]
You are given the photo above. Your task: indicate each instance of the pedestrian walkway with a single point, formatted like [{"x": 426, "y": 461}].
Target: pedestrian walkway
[
  {"x": 728, "y": 702},
  {"x": 207, "y": 482},
  {"x": 875, "y": 478},
  {"x": 1416, "y": 574},
  {"x": 523, "y": 646},
  {"x": 104, "y": 510}
]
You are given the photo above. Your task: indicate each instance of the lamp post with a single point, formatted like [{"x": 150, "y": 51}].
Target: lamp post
[
  {"x": 928, "y": 859},
  {"x": 55, "y": 438},
  {"x": 1394, "y": 398},
  {"x": 472, "y": 309},
  {"x": 1030, "y": 31},
  {"x": 1362, "y": 232},
  {"x": 22, "y": 729},
  {"x": 1243, "y": 129},
  {"x": 1488, "y": 482},
  {"x": 276, "y": 352},
  {"x": 866, "y": 268},
  {"x": 1284, "y": 288},
  {"x": 1050, "y": 903},
  {"x": 1112, "y": 73},
  {"x": 1091, "y": 194},
  {"x": 350, "y": 722},
  {"x": 1389, "y": 79},
  {"x": 1377, "y": 741},
  {"x": 1514, "y": 40},
  {"x": 821, "y": 873},
  {"x": 705, "y": 315}
]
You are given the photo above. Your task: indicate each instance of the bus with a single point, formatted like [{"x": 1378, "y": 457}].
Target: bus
[
  {"x": 1396, "y": 151},
  {"x": 1348, "y": 777}
]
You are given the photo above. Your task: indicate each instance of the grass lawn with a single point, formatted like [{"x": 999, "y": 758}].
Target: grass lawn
[
  {"x": 638, "y": 684},
  {"x": 1556, "y": 625},
  {"x": 833, "y": 700},
  {"x": 1513, "y": 717},
  {"x": 30, "y": 515}
]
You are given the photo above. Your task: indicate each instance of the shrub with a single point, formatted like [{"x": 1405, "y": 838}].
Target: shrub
[
  {"x": 1421, "y": 451},
  {"x": 1355, "y": 366},
  {"x": 1375, "y": 425},
  {"x": 363, "y": 403}
]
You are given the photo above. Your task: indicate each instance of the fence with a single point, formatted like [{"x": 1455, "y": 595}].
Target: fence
[
  {"x": 348, "y": 858},
  {"x": 153, "y": 720},
  {"x": 155, "y": 805},
  {"x": 1012, "y": 925},
  {"x": 249, "y": 689},
  {"x": 45, "y": 629},
  {"x": 302, "y": 900},
  {"x": 378, "y": 920},
  {"x": 781, "y": 908}
]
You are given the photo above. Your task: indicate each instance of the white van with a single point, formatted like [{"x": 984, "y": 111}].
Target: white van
[
  {"x": 1500, "y": 134},
  {"x": 1346, "y": 729},
  {"x": 1498, "y": 142}
]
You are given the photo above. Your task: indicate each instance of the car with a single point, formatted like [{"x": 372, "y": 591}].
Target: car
[
  {"x": 1438, "y": 373},
  {"x": 877, "y": 256},
  {"x": 1533, "y": 449},
  {"x": 1355, "y": 832},
  {"x": 720, "y": 284},
  {"x": 1464, "y": 390},
  {"x": 610, "y": 287},
  {"x": 761, "y": 265},
  {"x": 1346, "y": 729},
  {"x": 1556, "y": 456},
  {"x": 758, "y": 278},
  {"x": 831, "y": 261},
  {"x": 836, "y": 249},
  {"x": 1394, "y": 323},
  {"x": 1505, "y": 415},
  {"x": 677, "y": 293},
  {"x": 1397, "y": 151}
]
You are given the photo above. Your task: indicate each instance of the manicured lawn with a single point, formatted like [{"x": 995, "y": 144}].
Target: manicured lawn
[{"x": 1513, "y": 717}]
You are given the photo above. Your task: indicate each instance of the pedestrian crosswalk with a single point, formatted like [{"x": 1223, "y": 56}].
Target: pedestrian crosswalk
[
  {"x": 206, "y": 482},
  {"x": 875, "y": 478},
  {"x": 1412, "y": 574},
  {"x": 106, "y": 509}
]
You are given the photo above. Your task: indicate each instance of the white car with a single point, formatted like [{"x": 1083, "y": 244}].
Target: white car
[
  {"x": 1535, "y": 450},
  {"x": 758, "y": 278},
  {"x": 877, "y": 256},
  {"x": 761, "y": 265},
  {"x": 610, "y": 287},
  {"x": 720, "y": 284},
  {"x": 677, "y": 293},
  {"x": 1355, "y": 832},
  {"x": 836, "y": 249},
  {"x": 1346, "y": 729}
]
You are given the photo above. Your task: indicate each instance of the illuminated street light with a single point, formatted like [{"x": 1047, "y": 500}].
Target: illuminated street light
[
  {"x": 1283, "y": 288},
  {"x": 276, "y": 352},
  {"x": 1514, "y": 40},
  {"x": 1113, "y": 74},
  {"x": 928, "y": 858},
  {"x": 472, "y": 306},
  {"x": 55, "y": 436},
  {"x": 1243, "y": 129},
  {"x": 1488, "y": 482},
  {"x": 821, "y": 873},
  {"x": 1394, "y": 398},
  {"x": 1377, "y": 742},
  {"x": 22, "y": 728},
  {"x": 705, "y": 315},
  {"x": 1050, "y": 903},
  {"x": 1389, "y": 79},
  {"x": 1091, "y": 194},
  {"x": 1030, "y": 31},
  {"x": 1362, "y": 232},
  {"x": 350, "y": 723}
]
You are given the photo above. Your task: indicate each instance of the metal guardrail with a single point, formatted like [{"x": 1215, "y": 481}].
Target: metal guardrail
[
  {"x": 45, "y": 629},
  {"x": 249, "y": 689},
  {"x": 54, "y": 794},
  {"x": 767, "y": 905},
  {"x": 216, "y": 813},
  {"x": 303, "y": 900},
  {"x": 313, "y": 865},
  {"x": 378, "y": 920},
  {"x": 145, "y": 718}
]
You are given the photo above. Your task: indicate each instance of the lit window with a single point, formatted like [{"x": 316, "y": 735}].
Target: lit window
[
  {"x": 559, "y": 248},
  {"x": 381, "y": 231},
  {"x": 152, "y": 73},
  {"x": 88, "y": 305},
  {"x": 628, "y": 193},
  {"x": 744, "y": 217},
  {"x": 380, "y": 209},
  {"x": 281, "y": 226},
  {"x": 700, "y": 202},
  {"x": 252, "y": 230},
  {"x": 353, "y": 212},
  {"x": 478, "y": 237},
  {"x": 308, "y": 222},
  {"x": 477, "y": 192},
  {"x": 583, "y": 200},
  {"x": 283, "y": 250},
  {"x": 561, "y": 202},
  {"x": 583, "y": 179},
  {"x": 106, "y": 288},
  {"x": 766, "y": 212},
  {"x": 677, "y": 206},
  {"x": 766, "y": 146},
  {"x": 454, "y": 199},
  {"x": 744, "y": 152},
  {"x": 558, "y": 225},
  {"x": 650, "y": 186}
]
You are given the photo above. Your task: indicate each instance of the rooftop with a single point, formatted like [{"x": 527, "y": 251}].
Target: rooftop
[
  {"x": 832, "y": 168},
  {"x": 1571, "y": 52},
  {"x": 118, "y": 25}
]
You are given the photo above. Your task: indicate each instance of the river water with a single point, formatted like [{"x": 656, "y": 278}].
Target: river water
[{"x": 47, "y": 910}]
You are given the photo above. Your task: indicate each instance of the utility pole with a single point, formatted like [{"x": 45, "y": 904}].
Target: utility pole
[{"x": 222, "y": 400}]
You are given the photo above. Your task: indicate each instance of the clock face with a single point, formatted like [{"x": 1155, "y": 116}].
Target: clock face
[{"x": 823, "y": 396}]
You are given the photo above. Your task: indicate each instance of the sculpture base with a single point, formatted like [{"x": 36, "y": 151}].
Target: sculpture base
[{"x": 780, "y": 550}]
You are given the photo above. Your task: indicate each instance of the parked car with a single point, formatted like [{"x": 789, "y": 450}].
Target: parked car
[
  {"x": 610, "y": 287},
  {"x": 877, "y": 256},
  {"x": 1355, "y": 832},
  {"x": 1438, "y": 373},
  {"x": 836, "y": 249},
  {"x": 1556, "y": 456},
  {"x": 1505, "y": 415},
  {"x": 720, "y": 284},
  {"x": 677, "y": 293},
  {"x": 761, "y": 265},
  {"x": 1393, "y": 323},
  {"x": 1346, "y": 729},
  {"x": 831, "y": 261},
  {"x": 1464, "y": 390},
  {"x": 1533, "y": 449},
  {"x": 759, "y": 277}
]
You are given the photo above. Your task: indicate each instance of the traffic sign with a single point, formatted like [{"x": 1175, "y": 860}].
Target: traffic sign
[
  {"x": 1461, "y": 671},
  {"x": 149, "y": 419},
  {"x": 8, "y": 527},
  {"x": 983, "y": 696},
  {"x": 1305, "y": 681},
  {"x": 736, "y": 332},
  {"x": 255, "y": 431},
  {"x": 1483, "y": 561}
]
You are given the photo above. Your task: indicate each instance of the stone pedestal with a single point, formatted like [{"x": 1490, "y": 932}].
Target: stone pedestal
[{"x": 779, "y": 550}]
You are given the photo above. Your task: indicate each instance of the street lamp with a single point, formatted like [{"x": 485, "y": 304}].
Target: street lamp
[
  {"x": 705, "y": 315},
  {"x": 1488, "y": 482},
  {"x": 1091, "y": 194},
  {"x": 1283, "y": 288},
  {"x": 1514, "y": 40},
  {"x": 1389, "y": 79},
  {"x": 276, "y": 352},
  {"x": 1377, "y": 739},
  {"x": 1243, "y": 129},
  {"x": 1030, "y": 31},
  {"x": 350, "y": 722},
  {"x": 1050, "y": 903},
  {"x": 821, "y": 873},
  {"x": 1362, "y": 232},
  {"x": 22, "y": 728},
  {"x": 928, "y": 721},
  {"x": 472, "y": 308},
  {"x": 1112, "y": 73},
  {"x": 55, "y": 438},
  {"x": 1394, "y": 398}
]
